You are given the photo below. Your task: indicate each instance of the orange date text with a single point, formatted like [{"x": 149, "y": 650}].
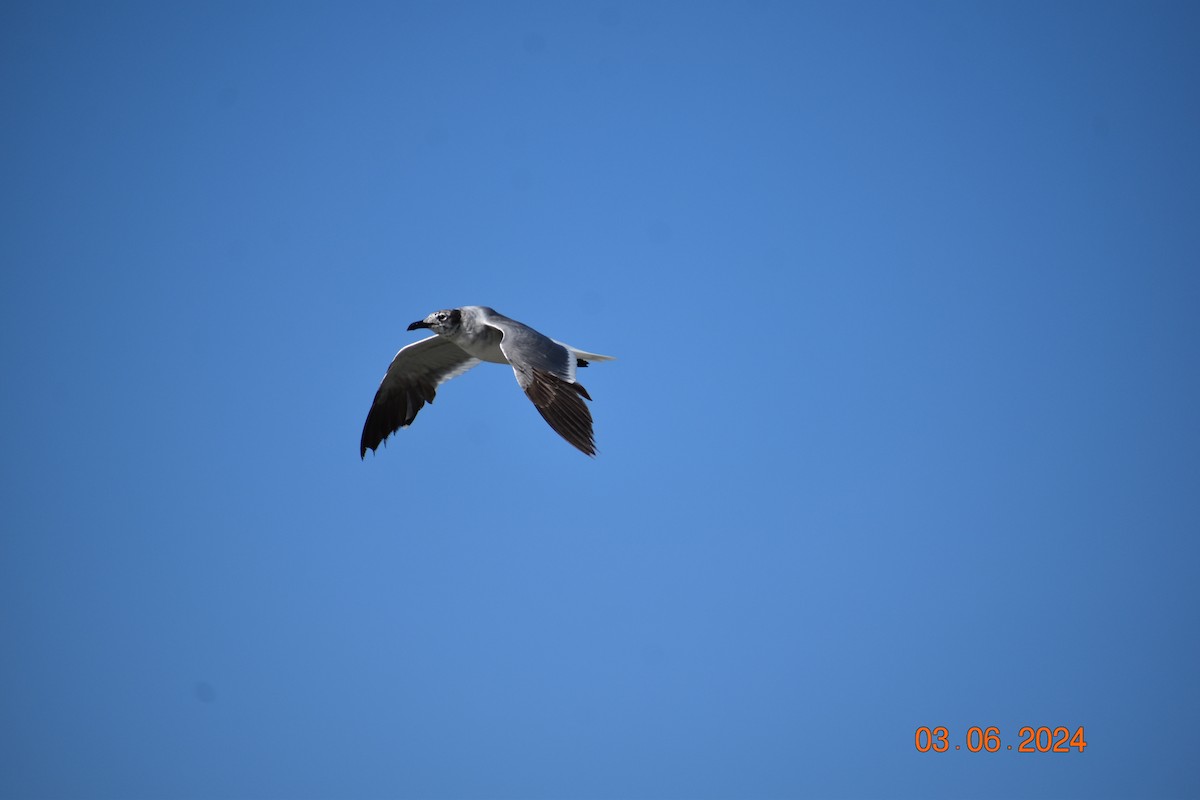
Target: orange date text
[{"x": 1029, "y": 739}]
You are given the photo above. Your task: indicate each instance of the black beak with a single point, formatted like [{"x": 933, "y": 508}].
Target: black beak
[{"x": 418, "y": 324}]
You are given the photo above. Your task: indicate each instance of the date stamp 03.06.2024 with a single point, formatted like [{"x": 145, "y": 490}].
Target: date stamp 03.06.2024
[{"x": 1029, "y": 739}]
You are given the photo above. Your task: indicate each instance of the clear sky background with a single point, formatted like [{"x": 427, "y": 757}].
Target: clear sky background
[{"x": 903, "y": 429}]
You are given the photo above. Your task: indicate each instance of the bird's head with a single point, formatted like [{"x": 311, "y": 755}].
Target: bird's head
[{"x": 441, "y": 322}]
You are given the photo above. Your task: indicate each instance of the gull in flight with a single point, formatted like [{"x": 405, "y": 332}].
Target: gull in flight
[{"x": 545, "y": 369}]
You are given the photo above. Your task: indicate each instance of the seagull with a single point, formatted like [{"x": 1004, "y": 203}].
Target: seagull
[{"x": 462, "y": 338}]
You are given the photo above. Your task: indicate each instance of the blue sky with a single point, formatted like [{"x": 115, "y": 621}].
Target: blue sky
[{"x": 902, "y": 432}]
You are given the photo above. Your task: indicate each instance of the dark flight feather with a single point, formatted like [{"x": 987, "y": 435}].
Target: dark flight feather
[{"x": 560, "y": 404}]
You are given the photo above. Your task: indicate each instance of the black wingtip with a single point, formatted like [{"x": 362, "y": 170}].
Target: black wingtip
[{"x": 561, "y": 404}]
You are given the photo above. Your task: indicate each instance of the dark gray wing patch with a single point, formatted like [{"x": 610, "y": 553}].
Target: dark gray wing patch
[{"x": 561, "y": 404}]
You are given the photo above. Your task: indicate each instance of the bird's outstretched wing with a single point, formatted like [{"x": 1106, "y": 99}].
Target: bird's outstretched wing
[
  {"x": 545, "y": 369},
  {"x": 560, "y": 404},
  {"x": 411, "y": 382}
]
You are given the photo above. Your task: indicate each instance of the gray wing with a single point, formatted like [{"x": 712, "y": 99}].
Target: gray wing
[
  {"x": 525, "y": 346},
  {"x": 546, "y": 371},
  {"x": 411, "y": 382}
]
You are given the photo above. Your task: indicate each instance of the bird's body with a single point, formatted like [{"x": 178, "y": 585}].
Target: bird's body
[
  {"x": 465, "y": 336},
  {"x": 477, "y": 337}
]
